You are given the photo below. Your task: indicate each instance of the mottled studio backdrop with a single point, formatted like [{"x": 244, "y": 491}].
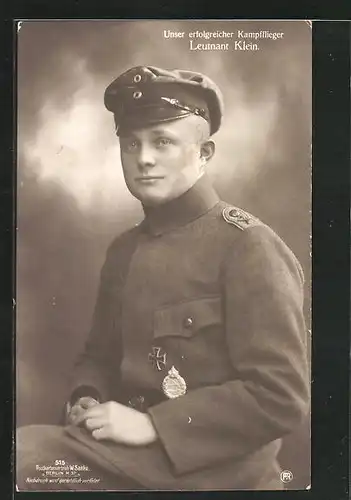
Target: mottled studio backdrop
[{"x": 72, "y": 200}]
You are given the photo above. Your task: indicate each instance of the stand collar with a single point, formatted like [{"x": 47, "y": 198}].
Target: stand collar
[{"x": 198, "y": 200}]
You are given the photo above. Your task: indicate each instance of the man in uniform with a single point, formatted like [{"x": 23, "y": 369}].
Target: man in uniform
[{"x": 195, "y": 367}]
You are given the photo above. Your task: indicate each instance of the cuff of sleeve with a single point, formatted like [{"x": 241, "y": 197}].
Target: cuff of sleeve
[
  {"x": 168, "y": 434},
  {"x": 84, "y": 391}
]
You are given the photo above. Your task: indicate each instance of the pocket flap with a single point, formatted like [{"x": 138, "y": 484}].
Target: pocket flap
[{"x": 186, "y": 318}]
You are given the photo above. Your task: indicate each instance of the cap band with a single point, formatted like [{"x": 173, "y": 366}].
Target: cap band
[{"x": 161, "y": 110}]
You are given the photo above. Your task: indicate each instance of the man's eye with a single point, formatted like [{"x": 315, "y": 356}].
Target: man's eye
[
  {"x": 131, "y": 145},
  {"x": 162, "y": 142}
]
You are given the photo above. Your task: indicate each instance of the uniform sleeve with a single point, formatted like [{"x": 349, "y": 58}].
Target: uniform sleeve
[
  {"x": 266, "y": 339},
  {"x": 92, "y": 371}
]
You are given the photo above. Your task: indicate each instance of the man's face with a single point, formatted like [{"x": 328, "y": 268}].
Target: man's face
[{"x": 162, "y": 161}]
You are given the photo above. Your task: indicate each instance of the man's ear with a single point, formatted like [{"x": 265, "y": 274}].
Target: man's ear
[{"x": 207, "y": 150}]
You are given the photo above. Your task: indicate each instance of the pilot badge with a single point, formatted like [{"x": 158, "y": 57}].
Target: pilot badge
[{"x": 173, "y": 384}]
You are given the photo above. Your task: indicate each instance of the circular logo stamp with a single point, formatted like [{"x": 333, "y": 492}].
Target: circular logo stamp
[{"x": 286, "y": 476}]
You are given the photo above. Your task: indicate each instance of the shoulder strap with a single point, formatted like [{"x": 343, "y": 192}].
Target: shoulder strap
[{"x": 239, "y": 218}]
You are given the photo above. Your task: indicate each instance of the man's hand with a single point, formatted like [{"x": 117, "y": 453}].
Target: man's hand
[
  {"x": 75, "y": 412},
  {"x": 119, "y": 423}
]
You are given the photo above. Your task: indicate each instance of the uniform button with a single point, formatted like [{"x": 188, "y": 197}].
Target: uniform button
[
  {"x": 137, "y": 94},
  {"x": 188, "y": 322},
  {"x": 136, "y": 401},
  {"x": 137, "y": 78}
]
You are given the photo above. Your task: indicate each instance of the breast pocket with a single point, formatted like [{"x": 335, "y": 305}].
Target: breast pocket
[
  {"x": 191, "y": 333},
  {"x": 188, "y": 318}
]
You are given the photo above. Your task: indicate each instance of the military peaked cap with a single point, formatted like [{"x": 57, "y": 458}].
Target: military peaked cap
[{"x": 144, "y": 95}]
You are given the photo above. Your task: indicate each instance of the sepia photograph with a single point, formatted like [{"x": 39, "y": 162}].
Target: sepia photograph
[{"x": 163, "y": 255}]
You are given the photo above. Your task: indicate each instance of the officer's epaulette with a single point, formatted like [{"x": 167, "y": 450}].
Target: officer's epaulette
[{"x": 239, "y": 218}]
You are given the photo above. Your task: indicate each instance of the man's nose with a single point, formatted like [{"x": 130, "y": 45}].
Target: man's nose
[{"x": 146, "y": 157}]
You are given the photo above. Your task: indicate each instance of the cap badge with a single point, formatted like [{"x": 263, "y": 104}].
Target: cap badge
[
  {"x": 173, "y": 384},
  {"x": 185, "y": 107}
]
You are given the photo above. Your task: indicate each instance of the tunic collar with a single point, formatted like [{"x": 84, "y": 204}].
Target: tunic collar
[{"x": 198, "y": 200}]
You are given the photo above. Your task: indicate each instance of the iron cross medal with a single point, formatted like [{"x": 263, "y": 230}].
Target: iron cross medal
[{"x": 157, "y": 359}]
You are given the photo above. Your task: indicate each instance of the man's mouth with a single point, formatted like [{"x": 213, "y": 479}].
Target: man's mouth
[{"x": 148, "y": 178}]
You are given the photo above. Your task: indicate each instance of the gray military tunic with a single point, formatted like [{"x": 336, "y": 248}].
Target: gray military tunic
[{"x": 210, "y": 291}]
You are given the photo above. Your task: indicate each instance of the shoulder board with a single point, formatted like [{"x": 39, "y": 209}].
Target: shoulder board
[{"x": 239, "y": 218}]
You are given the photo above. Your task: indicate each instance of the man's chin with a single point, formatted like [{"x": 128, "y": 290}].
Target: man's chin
[
  {"x": 152, "y": 198},
  {"x": 154, "y": 195},
  {"x": 153, "y": 201}
]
